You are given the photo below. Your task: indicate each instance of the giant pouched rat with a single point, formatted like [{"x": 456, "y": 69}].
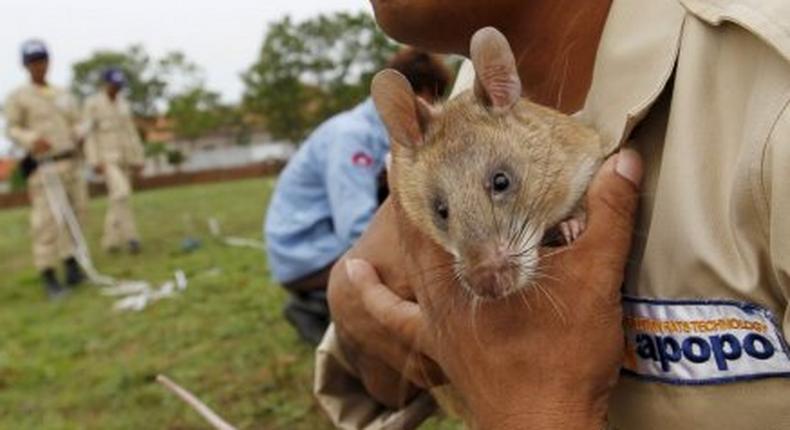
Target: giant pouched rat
[{"x": 487, "y": 174}]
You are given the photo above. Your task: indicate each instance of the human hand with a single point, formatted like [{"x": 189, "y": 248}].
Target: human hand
[
  {"x": 40, "y": 146},
  {"x": 547, "y": 358},
  {"x": 389, "y": 367}
]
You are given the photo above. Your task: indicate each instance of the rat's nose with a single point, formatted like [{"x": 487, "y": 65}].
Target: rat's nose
[{"x": 491, "y": 271}]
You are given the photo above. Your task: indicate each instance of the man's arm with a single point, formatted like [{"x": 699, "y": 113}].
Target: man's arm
[
  {"x": 137, "y": 153},
  {"x": 352, "y": 178},
  {"x": 92, "y": 150},
  {"x": 17, "y": 129}
]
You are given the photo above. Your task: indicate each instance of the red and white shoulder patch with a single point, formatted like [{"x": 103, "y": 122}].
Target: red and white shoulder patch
[{"x": 362, "y": 159}]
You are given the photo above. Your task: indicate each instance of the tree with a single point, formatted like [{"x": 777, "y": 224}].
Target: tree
[
  {"x": 150, "y": 81},
  {"x": 195, "y": 113},
  {"x": 309, "y": 70}
]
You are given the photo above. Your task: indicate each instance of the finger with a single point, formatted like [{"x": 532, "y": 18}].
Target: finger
[
  {"x": 402, "y": 318},
  {"x": 365, "y": 336},
  {"x": 423, "y": 372},
  {"x": 385, "y": 384},
  {"x": 611, "y": 203}
]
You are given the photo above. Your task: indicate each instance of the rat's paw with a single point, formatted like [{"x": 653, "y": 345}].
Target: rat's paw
[{"x": 573, "y": 228}]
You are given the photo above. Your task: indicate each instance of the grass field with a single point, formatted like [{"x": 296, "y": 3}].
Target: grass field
[{"x": 78, "y": 364}]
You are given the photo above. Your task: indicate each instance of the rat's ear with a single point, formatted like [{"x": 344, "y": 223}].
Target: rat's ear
[
  {"x": 497, "y": 84},
  {"x": 405, "y": 115}
]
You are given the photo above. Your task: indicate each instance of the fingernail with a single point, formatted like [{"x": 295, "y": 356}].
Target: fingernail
[
  {"x": 352, "y": 269},
  {"x": 629, "y": 165}
]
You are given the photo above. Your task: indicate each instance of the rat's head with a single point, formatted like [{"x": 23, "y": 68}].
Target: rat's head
[{"x": 486, "y": 174}]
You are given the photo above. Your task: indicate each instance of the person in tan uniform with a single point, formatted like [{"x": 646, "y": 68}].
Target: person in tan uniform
[
  {"x": 113, "y": 148},
  {"x": 697, "y": 282},
  {"x": 44, "y": 121}
]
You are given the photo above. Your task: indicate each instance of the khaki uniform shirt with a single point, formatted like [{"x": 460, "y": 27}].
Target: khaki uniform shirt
[
  {"x": 112, "y": 136},
  {"x": 702, "y": 90},
  {"x": 34, "y": 112}
]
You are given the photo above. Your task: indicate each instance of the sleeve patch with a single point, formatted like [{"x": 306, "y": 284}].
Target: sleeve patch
[{"x": 362, "y": 159}]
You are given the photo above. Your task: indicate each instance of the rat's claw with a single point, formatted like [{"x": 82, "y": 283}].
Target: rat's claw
[
  {"x": 576, "y": 228},
  {"x": 582, "y": 222},
  {"x": 572, "y": 229},
  {"x": 565, "y": 229}
]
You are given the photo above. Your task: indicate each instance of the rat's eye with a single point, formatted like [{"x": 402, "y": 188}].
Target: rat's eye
[
  {"x": 441, "y": 209},
  {"x": 500, "y": 182}
]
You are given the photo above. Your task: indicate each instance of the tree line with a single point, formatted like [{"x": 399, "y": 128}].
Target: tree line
[{"x": 305, "y": 71}]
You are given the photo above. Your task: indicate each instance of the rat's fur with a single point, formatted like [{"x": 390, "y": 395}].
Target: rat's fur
[{"x": 447, "y": 155}]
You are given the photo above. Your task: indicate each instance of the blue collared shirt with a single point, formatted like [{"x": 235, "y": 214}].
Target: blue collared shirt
[{"x": 327, "y": 194}]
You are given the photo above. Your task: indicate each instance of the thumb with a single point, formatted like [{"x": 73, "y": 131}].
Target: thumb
[
  {"x": 401, "y": 317},
  {"x": 611, "y": 207}
]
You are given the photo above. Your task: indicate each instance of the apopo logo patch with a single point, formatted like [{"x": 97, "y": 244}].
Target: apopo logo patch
[{"x": 702, "y": 342}]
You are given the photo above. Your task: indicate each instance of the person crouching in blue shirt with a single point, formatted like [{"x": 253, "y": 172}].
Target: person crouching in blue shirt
[{"x": 327, "y": 194}]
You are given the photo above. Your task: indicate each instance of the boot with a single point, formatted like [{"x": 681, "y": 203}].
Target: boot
[
  {"x": 134, "y": 247},
  {"x": 51, "y": 285},
  {"x": 74, "y": 273},
  {"x": 309, "y": 315}
]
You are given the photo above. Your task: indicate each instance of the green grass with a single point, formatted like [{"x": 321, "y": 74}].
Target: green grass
[{"x": 78, "y": 364}]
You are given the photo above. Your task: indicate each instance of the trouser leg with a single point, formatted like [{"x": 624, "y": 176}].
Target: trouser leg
[
  {"x": 111, "y": 238},
  {"x": 125, "y": 211},
  {"x": 44, "y": 229},
  {"x": 307, "y": 308},
  {"x": 119, "y": 225},
  {"x": 129, "y": 226},
  {"x": 76, "y": 189}
]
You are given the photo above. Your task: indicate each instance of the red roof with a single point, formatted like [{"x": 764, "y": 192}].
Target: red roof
[{"x": 6, "y": 168}]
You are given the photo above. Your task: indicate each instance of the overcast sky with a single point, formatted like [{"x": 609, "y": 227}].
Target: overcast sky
[{"x": 222, "y": 36}]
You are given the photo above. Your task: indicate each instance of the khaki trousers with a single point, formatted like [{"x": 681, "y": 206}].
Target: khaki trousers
[
  {"x": 51, "y": 241},
  {"x": 119, "y": 224}
]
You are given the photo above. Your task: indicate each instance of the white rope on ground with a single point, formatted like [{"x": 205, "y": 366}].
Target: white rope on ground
[
  {"x": 138, "y": 294},
  {"x": 64, "y": 216},
  {"x": 215, "y": 420},
  {"x": 241, "y": 242}
]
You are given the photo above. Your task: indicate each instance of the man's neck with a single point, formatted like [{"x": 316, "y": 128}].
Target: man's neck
[
  {"x": 555, "y": 43},
  {"x": 39, "y": 83}
]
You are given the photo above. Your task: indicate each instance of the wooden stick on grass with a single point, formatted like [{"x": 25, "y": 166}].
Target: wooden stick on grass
[{"x": 201, "y": 408}]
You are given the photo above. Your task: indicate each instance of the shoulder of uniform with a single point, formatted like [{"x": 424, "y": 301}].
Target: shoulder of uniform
[
  {"x": 59, "y": 90},
  {"x": 767, "y": 19},
  {"x": 352, "y": 129},
  {"x": 91, "y": 99},
  {"x": 15, "y": 97},
  {"x": 123, "y": 101},
  {"x": 18, "y": 91}
]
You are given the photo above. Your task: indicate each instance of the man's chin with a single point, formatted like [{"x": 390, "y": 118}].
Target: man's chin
[{"x": 419, "y": 23}]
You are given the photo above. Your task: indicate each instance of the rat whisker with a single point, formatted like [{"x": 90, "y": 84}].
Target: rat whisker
[
  {"x": 476, "y": 304},
  {"x": 522, "y": 293},
  {"x": 555, "y": 303},
  {"x": 543, "y": 275},
  {"x": 555, "y": 252}
]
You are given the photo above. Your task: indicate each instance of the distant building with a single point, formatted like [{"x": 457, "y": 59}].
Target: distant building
[
  {"x": 156, "y": 129},
  {"x": 7, "y": 166},
  {"x": 5, "y": 144}
]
